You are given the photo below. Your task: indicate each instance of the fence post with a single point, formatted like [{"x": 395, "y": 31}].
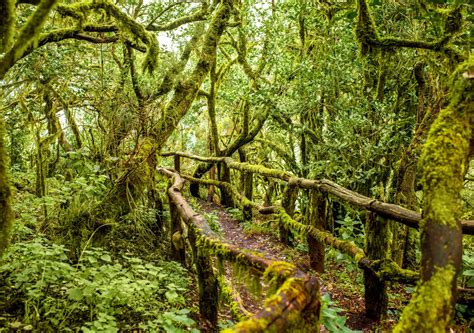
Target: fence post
[
  {"x": 248, "y": 193},
  {"x": 177, "y": 163},
  {"x": 207, "y": 283},
  {"x": 376, "y": 298},
  {"x": 177, "y": 250},
  {"x": 288, "y": 204},
  {"x": 318, "y": 205},
  {"x": 226, "y": 196},
  {"x": 246, "y": 185}
]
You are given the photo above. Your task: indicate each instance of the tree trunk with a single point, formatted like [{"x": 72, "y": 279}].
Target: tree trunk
[
  {"x": 6, "y": 216},
  {"x": 444, "y": 163}
]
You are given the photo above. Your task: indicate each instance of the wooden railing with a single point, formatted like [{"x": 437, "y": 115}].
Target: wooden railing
[
  {"x": 296, "y": 300},
  {"x": 376, "y": 270}
]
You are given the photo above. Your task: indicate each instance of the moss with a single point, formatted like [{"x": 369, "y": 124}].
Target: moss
[
  {"x": 277, "y": 273},
  {"x": 32, "y": 28},
  {"x": 445, "y": 154},
  {"x": 7, "y": 24},
  {"x": 227, "y": 295},
  {"x": 277, "y": 318},
  {"x": 126, "y": 24},
  {"x": 259, "y": 169},
  {"x": 365, "y": 30},
  {"x": 346, "y": 247},
  {"x": 425, "y": 313},
  {"x": 387, "y": 269},
  {"x": 186, "y": 91},
  {"x": 6, "y": 216}
]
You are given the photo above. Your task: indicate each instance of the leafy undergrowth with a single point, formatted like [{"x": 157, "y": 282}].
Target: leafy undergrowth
[{"x": 41, "y": 290}]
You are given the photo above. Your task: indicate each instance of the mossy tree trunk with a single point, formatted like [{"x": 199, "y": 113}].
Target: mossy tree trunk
[
  {"x": 444, "y": 162},
  {"x": 318, "y": 211},
  {"x": 6, "y": 216},
  {"x": 246, "y": 185}
]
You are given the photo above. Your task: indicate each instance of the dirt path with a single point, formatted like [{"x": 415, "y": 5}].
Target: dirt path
[
  {"x": 232, "y": 230},
  {"x": 349, "y": 299}
]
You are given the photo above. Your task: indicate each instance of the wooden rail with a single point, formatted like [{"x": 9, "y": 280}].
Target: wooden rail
[
  {"x": 387, "y": 210},
  {"x": 296, "y": 301}
]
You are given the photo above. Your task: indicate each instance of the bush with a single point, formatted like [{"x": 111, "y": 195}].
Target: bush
[{"x": 41, "y": 290}]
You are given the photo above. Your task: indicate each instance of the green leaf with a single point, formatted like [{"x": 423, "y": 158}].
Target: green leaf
[
  {"x": 171, "y": 296},
  {"x": 469, "y": 272},
  {"x": 106, "y": 257},
  {"x": 75, "y": 294}
]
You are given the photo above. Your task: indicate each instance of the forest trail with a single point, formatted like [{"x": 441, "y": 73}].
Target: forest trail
[{"x": 232, "y": 230}]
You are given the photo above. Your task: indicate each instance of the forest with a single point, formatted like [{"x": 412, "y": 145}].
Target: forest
[{"x": 236, "y": 166}]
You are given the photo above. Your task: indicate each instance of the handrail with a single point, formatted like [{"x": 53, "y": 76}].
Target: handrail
[
  {"x": 386, "y": 270},
  {"x": 298, "y": 292},
  {"x": 393, "y": 212}
]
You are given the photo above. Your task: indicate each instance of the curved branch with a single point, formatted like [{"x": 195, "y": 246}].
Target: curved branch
[
  {"x": 200, "y": 15},
  {"x": 367, "y": 34}
]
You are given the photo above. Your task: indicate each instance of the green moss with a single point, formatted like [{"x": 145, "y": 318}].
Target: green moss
[
  {"x": 388, "y": 270},
  {"x": 126, "y": 25},
  {"x": 346, "y": 247},
  {"x": 445, "y": 154},
  {"x": 31, "y": 29},
  {"x": 277, "y": 273},
  {"x": 426, "y": 311},
  {"x": 259, "y": 169},
  {"x": 6, "y": 216},
  {"x": 7, "y": 24}
]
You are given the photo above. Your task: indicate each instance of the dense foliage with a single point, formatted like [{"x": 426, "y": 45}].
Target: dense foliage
[{"x": 358, "y": 92}]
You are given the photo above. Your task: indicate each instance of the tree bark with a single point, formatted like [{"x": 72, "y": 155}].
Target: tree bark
[
  {"x": 6, "y": 215},
  {"x": 444, "y": 163}
]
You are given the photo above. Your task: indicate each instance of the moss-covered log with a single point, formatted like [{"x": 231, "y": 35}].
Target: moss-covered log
[
  {"x": 288, "y": 305},
  {"x": 385, "y": 270},
  {"x": 444, "y": 163}
]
